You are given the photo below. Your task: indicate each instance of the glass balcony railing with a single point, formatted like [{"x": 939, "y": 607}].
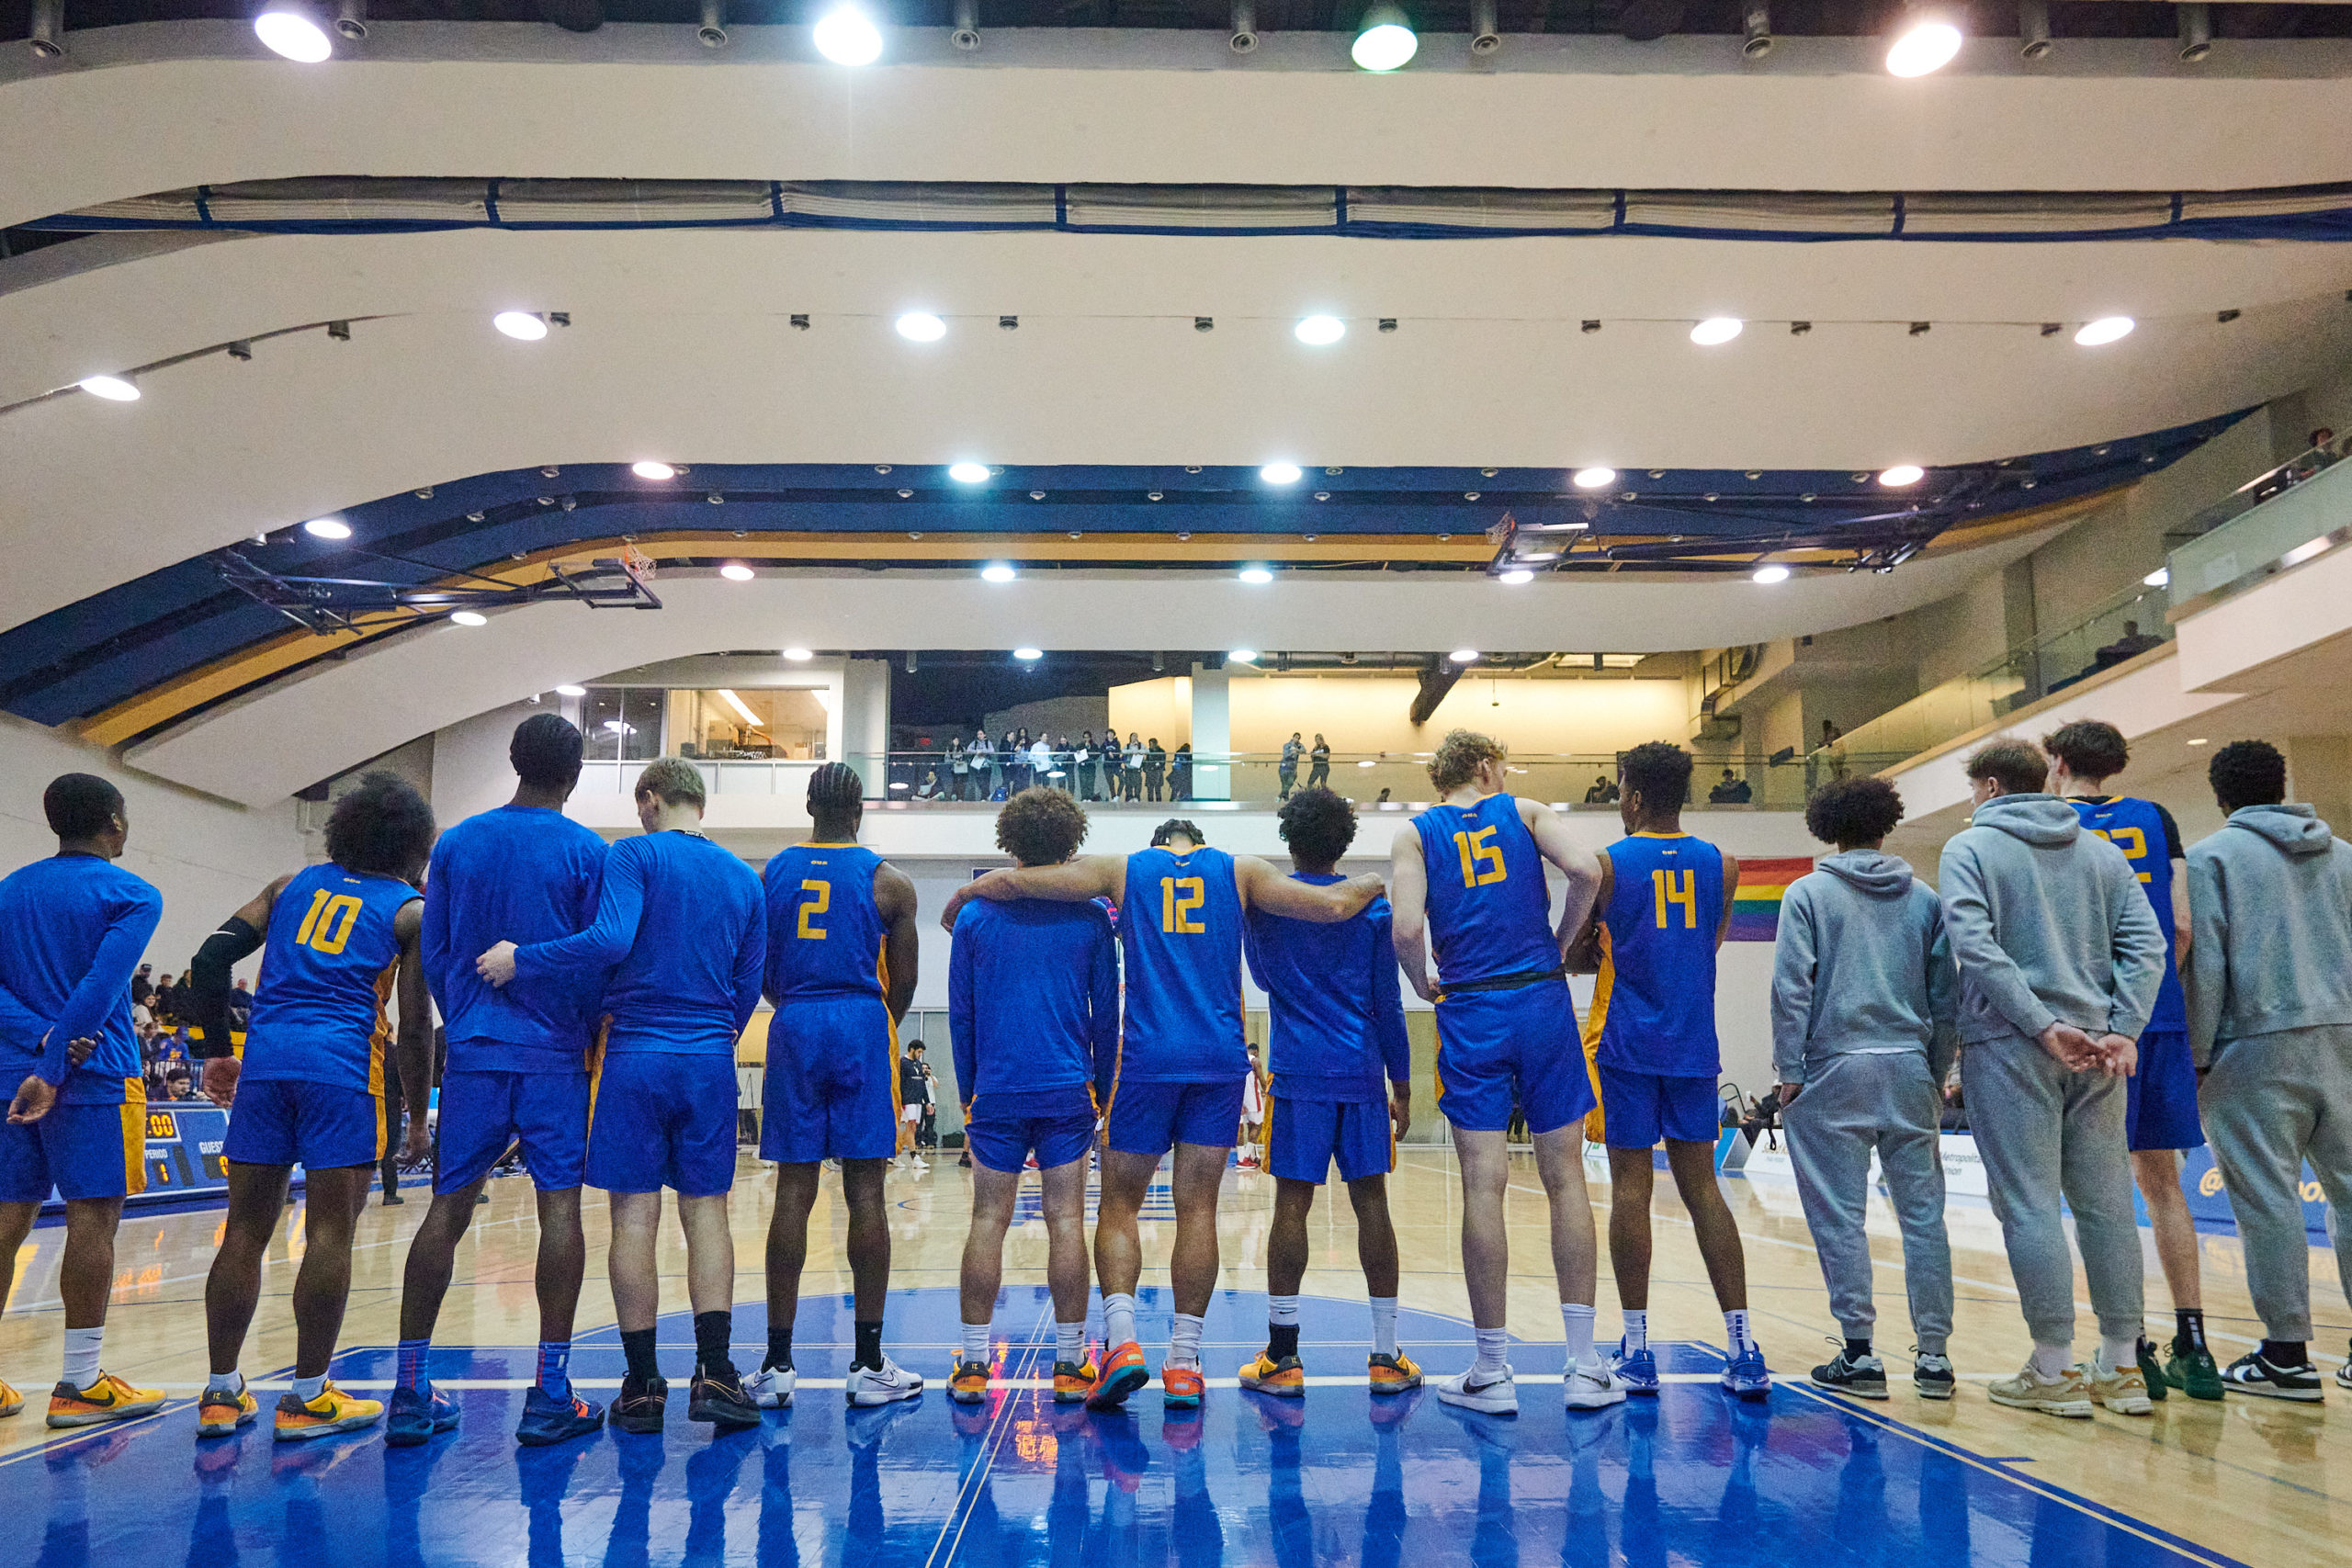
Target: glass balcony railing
[{"x": 2280, "y": 520}]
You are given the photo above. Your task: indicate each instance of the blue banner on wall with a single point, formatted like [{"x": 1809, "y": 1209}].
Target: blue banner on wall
[{"x": 2208, "y": 1200}]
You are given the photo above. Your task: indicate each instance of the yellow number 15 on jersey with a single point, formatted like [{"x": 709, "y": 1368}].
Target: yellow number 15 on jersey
[{"x": 1482, "y": 862}]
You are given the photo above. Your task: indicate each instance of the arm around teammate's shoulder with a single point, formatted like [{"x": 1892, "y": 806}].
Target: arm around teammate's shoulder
[
  {"x": 1072, "y": 882},
  {"x": 1264, "y": 886}
]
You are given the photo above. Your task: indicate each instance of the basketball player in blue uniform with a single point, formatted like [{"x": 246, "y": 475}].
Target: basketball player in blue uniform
[
  {"x": 1176, "y": 1083},
  {"x": 518, "y": 1070},
  {"x": 340, "y": 938},
  {"x": 678, "y": 938},
  {"x": 1342, "y": 1091},
  {"x": 2160, "y": 1099},
  {"x": 840, "y": 971},
  {"x": 1665, "y": 905},
  {"x": 1468, "y": 880},
  {"x": 71, "y": 930},
  {"x": 1033, "y": 1007}
]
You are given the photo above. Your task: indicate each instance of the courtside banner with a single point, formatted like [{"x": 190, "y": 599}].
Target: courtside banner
[{"x": 1755, "y": 907}]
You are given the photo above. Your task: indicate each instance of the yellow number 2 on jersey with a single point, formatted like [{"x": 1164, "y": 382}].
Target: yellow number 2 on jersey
[
  {"x": 1482, "y": 862},
  {"x": 1180, "y": 898},
  {"x": 817, "y": 904},
  {"x": 2132, "y": 842}
]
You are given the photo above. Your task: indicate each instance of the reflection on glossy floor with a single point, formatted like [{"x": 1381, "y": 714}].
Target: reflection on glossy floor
[{"x": 1692, "y": 1478}]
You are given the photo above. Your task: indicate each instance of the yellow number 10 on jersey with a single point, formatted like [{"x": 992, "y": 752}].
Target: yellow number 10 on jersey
[
  {"x": 1482, "y": 862},
  {"x": 1675, "y": 887},
  {"x": 1180, "y": 898},
  {"x": 326, "y": 925}
]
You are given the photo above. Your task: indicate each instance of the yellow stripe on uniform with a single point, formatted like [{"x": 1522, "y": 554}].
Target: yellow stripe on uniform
[
  {"x": 1604, "y": 981},
  {"x": 134, "y": 1137}
]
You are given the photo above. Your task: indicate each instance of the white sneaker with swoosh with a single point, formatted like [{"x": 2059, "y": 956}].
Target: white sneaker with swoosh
[
  {"x": 1492, "y": 1393},
  {"x": 1592, "y": 1387}
]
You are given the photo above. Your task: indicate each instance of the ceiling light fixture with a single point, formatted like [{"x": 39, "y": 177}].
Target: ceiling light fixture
[
  {"x": 1028, "y": 655},
  {"x": 997, "y": 571},
  {"x": 520, "y": 324},
  {"x": 1769, "y": 574},
  {"x": 846, "y": 36},
  {"x": 470, "y": 618},
  {"x": 1257, "y": 575},
  {"x": 2200, "y": 740},
  {"x": 1320, "y": 331},
  {"x": 739, "y": 705},
  {"x": 1280, "y": 473},
  {"x": 1385, "y": 41},
  {"x": 649, "y": 470},
  {"x": 1926, "y": 42},
  {"x": 2160, "y": 577},
  {"x": 922, "y": 326},
  {"x": 2106, "y": 330},
  {"x": 1243, "y": 656},
  {"x": 1463, "y": 656},
  {"x": 798, "y": 655},
  {"x": 290, "y": 30},
  {"x": 570, "y": 691},
  {"x": 1517, "y": 574},
  {"x": 1902, "y": 474},
  {"x": 327, "y": 528},
  {"x": 1715, "y": 330},
  {"x": 1594, "y": 478},
  {"x": 736, "y": 571},
  {"x": 968, "y": 473},
  {"x": 113, "y": 388}
]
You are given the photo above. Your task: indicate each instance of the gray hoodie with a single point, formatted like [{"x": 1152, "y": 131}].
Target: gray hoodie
[
  {"x": 2048, "y": 925},
  {"x": 2270, "y": 923},
  {"x": 1860, "y": 965}
]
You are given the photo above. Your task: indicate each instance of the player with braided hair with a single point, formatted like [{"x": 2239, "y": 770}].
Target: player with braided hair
[{"x": 840, "y": 971}]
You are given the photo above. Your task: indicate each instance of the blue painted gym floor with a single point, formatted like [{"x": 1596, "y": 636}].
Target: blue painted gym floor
[{"x": 1693, "y": 1477}]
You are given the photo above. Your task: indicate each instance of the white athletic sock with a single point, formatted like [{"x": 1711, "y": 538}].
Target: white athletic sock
[
  {"x": 1119, "y": 1318},
  {"x": 82, "y": 1346},
  {"x": 1384, "y": 1325},
  {"x": 1185, "y": 1340},
  {"x": 1070, "y": 1342},
  {"x": 1575, "y": 1318},
  {"x": 1494, "y": 1352},
  {"x": 309, "y": 1389},
  {"x": 976, "y": 1341},
  {"x": 1281, "y": 1311},
  {"x": 229, "y": 1382},
  {"x": 1736, "y": 1329},
  {"x": 1637, "y": 1329},
  {"x": 2048, "y": 1360},
  {"x": 2118, "y": 1353}
]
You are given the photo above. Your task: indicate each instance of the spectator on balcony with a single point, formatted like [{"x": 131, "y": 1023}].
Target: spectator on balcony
[
  {"x": 982, "y": 755},
  {"x": 1318, "y": 772},
  {"x": 1731, "y": 790},
  {"x": 1179, "y": 773},
  {"x": 1042, "y": 766},
  {"x": 929, "y": 789},
  {"x": 1082, "y": 783},
  {"x": 1155, "y": 768},
  {"x": 959, "y": 767},
  {"x": 1288, "y": 769},
  {"x": 1016, "y": 761},
  {"x": 2130, "y": 644},
  {"x": 1132, "y": 771},
  {"x": 1602, "y": 792}
]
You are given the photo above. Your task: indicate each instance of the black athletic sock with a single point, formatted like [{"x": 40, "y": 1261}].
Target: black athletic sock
[
  {"x": 1282, "y": 1340},
  {"x": 713, "y": 1330},
  {"x": 869, "y": 1346},
  {"x": 2189, "y": 1327},
  {"x": 779, "y": 1349},
  {"x": 1856, "y": 1348},
  {"x": 2285, "y": 1353},
  {"x": 636, "y": 1344}
]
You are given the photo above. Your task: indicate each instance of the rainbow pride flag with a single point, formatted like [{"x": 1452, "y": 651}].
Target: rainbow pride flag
[{"x": 1755, "y": 907}]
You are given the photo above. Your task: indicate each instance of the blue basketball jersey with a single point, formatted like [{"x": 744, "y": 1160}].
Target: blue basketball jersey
[
  {"x": 1181, "y": 928},
  {"x": 326, "y": 972},
  {"x": 1653, "y": 1000},
  {"x": 1334, "y": 1001},
  {"x": 825, "y": 937},
  {"x": 1490, "y": 910},
  {"x": 2137, "y": 827}
]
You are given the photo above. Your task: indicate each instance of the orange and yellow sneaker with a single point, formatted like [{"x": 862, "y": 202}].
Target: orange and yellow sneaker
[
  {"x": 1073, "y": 1380},
  {"x": 220, "y": 1412},
  {"x": 1392, "y": 1374},
  {"x": 1181, "y": 1387},
  {"x": 968, "y": 1383},
  {"x": 334, "y": 1411},
  {"x": 1285, "y": 1379},
  {"x": 1123, "y": 1372},
  {"x": 108, "y": 1399},
  {"x": 10, "y": 1401}
]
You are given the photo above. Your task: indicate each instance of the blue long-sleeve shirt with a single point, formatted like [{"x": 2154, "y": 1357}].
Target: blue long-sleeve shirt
[
  {"x": 521, "y": 874},
  {"x": 680, "y": 933},
  {"x": 1032, "y": 998},
  {"x": 1335, "y": 1001},
  {"x": 72, "y": 929}
]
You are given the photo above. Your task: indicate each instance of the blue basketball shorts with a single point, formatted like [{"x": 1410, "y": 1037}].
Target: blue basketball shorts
[
  {"x": 1638, "y": 1109},
  {"x": 664, "y": 1118},
  {"x": 82, "y": 1151},
  {"x": 1057, "y": 1124},
  {"x": 319, "y": 1126},
  {"x": 2160, "y": 1097},
  {"x": 1153, "y": 1118},
  {"x": 482, "y": 1113},
  {"x": 1304, "y": 1136},
  {"x": 1497, "y": 1046},
  {"x": 831, "y": 1086}
]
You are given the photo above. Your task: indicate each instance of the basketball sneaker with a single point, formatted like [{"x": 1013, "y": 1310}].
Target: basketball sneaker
[
  {"x": 2252, "y": 1374},
  {"x": 642, "y": 1405},
  {"x": 1073, "y": 1379},
  {"x": 548, "y": 1420},
  {"x": 2068, "y": 1395},
  {"x": 1285, "y": 1379},
  {"x": 2191, "y": 1369},
  {"x": 11, "y": 1401},
  {"x": 1864, "y": 1377},
  {"x": 884, "y": 1384},
  {"x": 2151, "y": 1371},
  {"x": 719, "y": 1398},
  {"x": 334, "y": 1411},
  {"x": 1637, "y": 1369},
  {"x": 219, "y": 1413},
  {"x": 1123, "y": 1372},
  {"x": 968, "y": 1382},
  {"x": 2343, "y": 1377},
  {"x": 108, "y": 1399},
  {"x": 1392, "y": 1374},
  {"x": 2123, "y": 1389},
  {"x": 1490, "y": 1393},
  {"x": 1746, "y": 1376},
  {"x": 1931, "y": 1377},
  {"x": 416, "y": 1414},
  {"x": 1591, "y": 1388},
  {"x": 771, "y": 1387},
  {"x": 1181, "y": 1387}
]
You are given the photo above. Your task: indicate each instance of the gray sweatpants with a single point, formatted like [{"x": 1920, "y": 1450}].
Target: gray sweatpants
[
  {"x": 2271, "y": 1102},
  {"x": 1851, "y": 1104},
  {"x": 2044, "y": 1132}
]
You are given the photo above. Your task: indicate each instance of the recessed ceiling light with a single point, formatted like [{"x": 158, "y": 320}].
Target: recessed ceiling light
[
  {"x": 1771, "y": 574},
  {"x": 1924, "y": 44},
  {"x": 1902, "y": 474},
  {"x": 1028, "y": 655},
  {"x": 922, "y": 326},
  {"x": 290, "y": 30},
  {"x": 1243, "y": 656},
  {"x": 997, "y": 571},
  {"x": 736, "y": 571},
  {"x": 1517, "y": 574},
  {"x": 2160, "y": 577},
  {"x": 520, "y": 324},
  {"x": 2200, "y": 740},
  {"x": 1384, "y": 41},
  {"x": 1280, "y": 473},
  {"x": 649, "y": 470},
  {"x": 1715, "y": 330},
  {"x": 114, "y": 388},
  {"x": 569, "y": 691},
  {"x": 797, "y": 654},
  {"x": 1320, "y": 330},
  {"x": 1256, "y": 574},
  {"x": 846, "y": 36},
  {"x": 2106, "y": 329},
  {"x": 968, "y": 473},
  {"x": 327, "y": 528},
  {"x": 1463, "y": 656},
  {"x": 1593, "y": 479},
  {"x": 470, "y": 618}
]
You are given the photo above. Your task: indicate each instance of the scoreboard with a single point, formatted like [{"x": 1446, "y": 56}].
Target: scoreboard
[{"x": 183, "y": 1150}]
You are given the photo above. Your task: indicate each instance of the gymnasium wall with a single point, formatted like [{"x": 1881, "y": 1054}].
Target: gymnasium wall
[{"x": 1368, "y": 713}]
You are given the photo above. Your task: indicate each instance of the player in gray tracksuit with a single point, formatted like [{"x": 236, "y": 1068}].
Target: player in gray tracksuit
[
  {"x": 1864, "y": 1000},
  {"x": 2271, "y": 1028},
  {"x": 2060, "y": 958}
]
